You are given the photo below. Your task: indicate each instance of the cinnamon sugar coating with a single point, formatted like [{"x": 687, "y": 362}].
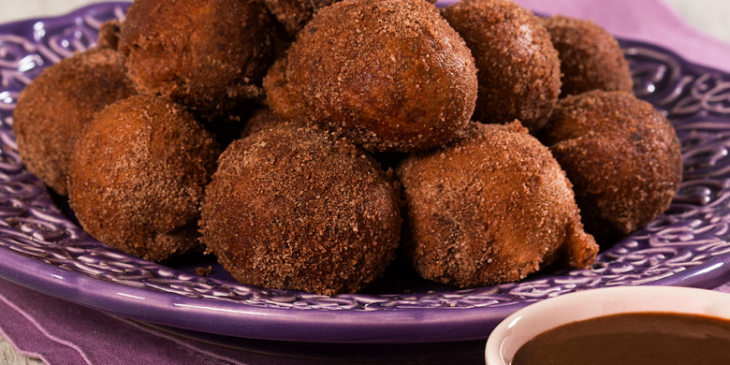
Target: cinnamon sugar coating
[
  {"x": 109, "y": 34},
  {"x": 295, "y": 207},
  {"x": 391, "y": 75},
  {"x": 294, "y": 14},
  {"x": 209, "y": 55},
  {"x": 519, "y": 70},
  {"x": 55, "y": 107},
  {"x": 262, "y": 119},
  {"x": 138, "y": 174},
  {"x": 621, "y": 154},
  {"x": 590, "y": 58},
  {"x": 490, "y": 207}
]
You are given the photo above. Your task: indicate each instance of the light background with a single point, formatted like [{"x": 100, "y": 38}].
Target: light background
[{"x": 710, "y": 16}]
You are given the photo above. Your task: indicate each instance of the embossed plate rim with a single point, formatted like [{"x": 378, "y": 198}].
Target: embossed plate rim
[{"x": 327, "y": 322}]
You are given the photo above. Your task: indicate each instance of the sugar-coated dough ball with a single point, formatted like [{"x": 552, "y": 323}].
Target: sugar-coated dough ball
[
  {"x": 207, "y": 55},
  {"x": 138, "y": 174},
  {"x": 519, "y": 70},
  {"x": 53, "y": 110},
  {"x": 622, "y": 156},
  {"x": 590, "y": 58},
  {"x": 490, "y": 207},
  {"x": 392, "y": 75},
  {"x": 295, "y": 207}
]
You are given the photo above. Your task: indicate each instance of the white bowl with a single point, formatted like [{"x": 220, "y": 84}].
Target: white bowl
[{"x": 529, "y": 322}]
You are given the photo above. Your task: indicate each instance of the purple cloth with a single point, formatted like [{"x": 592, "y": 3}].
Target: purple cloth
[{"x": 61, "y": 333}]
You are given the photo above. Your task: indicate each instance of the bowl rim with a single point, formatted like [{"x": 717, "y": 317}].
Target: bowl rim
[{"x": 626, "y": 297}]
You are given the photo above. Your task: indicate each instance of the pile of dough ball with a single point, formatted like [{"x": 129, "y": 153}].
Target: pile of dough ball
[{"x": 477, "y": 140}]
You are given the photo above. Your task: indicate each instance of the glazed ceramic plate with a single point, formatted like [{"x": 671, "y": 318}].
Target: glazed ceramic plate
[{"x": 41, "y": 247}]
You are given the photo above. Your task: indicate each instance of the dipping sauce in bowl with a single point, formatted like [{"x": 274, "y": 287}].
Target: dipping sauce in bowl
[
  {"x": 632, "y": 339},
  {"x": 623, "y": 325}
]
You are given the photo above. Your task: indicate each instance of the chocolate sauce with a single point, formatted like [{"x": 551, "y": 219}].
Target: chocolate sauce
[{"x": 632, "y": 339}]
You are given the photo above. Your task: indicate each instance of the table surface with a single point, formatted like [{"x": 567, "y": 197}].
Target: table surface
[{"x": 709, "y": 16}]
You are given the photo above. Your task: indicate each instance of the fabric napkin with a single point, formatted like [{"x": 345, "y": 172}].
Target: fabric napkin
[{"x": 62, "y": 333}]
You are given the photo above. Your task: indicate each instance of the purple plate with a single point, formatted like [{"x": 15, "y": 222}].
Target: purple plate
[{"x": 43, "y": 249}]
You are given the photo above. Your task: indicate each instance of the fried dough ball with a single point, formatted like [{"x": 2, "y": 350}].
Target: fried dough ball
[
  {"x": 109, "y": 34},
  {"x": 490, "y": 207},
  {"x": 390, "y": 74},
  {"x": 295, "y": 207},
  {"x": 207, "y": 55},
  {"x": 590, "y": 58},
  {"x": 262, "y": 119},
  {"x": 519, "y": 70},
  {"x": 294, "y": 14},
  {"x": 622, "y": 156},
  {"x": 54, "y": 108},
  {"x": 137, "y": 177}
]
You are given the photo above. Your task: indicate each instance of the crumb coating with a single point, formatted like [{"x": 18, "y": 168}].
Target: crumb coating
[
  {"x": 622, "y": 156},
  {"x": 138, "y": 174},
  {"x": 295, "y": 14},
  {"x": 391, "y": 75},
  {"x": 109, "y": 34},
  {"x": 490, "y": 207},
  {"x": 262, "y": 119},
  {"x": 53, "y": 110},
  {"x": 295, "y": 207},
  {"x": 590, "y": 58},
  {"x": 519, "y": 69},
  {"x": 209, "y": 55}
]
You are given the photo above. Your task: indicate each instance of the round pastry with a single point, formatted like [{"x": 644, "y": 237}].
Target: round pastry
[
  {"x": 138, "y": 174},
  {"x": 590, "y": 58},
  {"x": 207, "y": 55},
  {"x": 622, "y": 156},
  {"x": 295, "y": 207},
  {"x": 390, "y": 74},
  {"x": 490, "y": 207},
  {"x": 55, "y": 107},
  {"x": 519, "y": 70}
]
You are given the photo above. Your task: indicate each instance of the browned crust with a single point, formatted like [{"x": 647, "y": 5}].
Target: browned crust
[
  {"x": 622, "y": 155},
  {"x": 391, "y": 74},
  {"x": 137, "y": 176},
  {"x": 209, "y": 55},
  {"x": 297, "y": 208},
  {"x": 294, "y": 14},
  {"x": 489, "y": 208},
  {"x": 109, "y": 34},
  {"x": 590, "y": 58},
  {"x": 519, "y": 70},
  {"x": 53, "y": 110},
  {"x": 262, "y": 119}
]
